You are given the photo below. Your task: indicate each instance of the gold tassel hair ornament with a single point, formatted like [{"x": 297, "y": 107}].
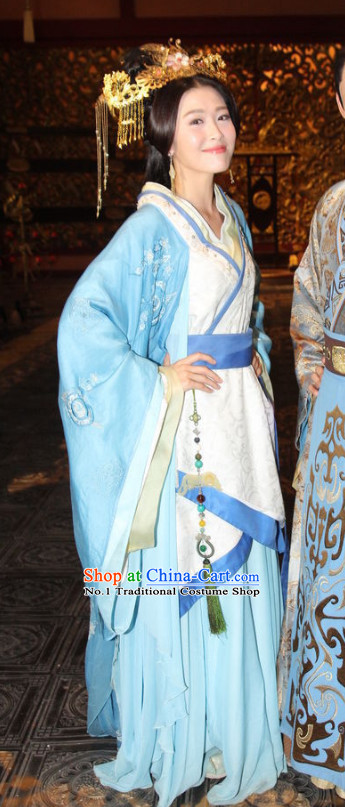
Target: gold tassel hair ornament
[
  {"x": 125, "y": 99},
  {"x": 101, "y": 112}
]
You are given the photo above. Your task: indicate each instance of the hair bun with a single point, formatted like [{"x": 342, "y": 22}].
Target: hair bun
[{"x": 135, "y": 60}]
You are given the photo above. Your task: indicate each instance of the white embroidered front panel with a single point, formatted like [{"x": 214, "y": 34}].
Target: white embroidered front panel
[
  {"x": 212, "y": 279},
  {"x": 208, "y": 292},
  {"x": 237, "y": 423}
]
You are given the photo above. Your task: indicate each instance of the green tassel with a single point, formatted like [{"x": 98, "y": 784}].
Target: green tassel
[{"x": 214, "y": 608}]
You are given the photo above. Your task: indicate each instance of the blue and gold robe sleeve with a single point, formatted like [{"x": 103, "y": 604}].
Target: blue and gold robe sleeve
[{"x": 311, "y": 283}]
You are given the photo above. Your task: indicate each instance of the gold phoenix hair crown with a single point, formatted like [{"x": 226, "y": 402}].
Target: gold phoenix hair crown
[{"x": 125, "y": 99}]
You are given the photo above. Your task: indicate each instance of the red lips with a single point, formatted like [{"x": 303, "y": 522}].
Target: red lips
[{"x": 216, "y": 150}]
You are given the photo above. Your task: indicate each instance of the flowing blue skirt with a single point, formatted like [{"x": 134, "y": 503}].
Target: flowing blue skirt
[{"x": 192, "y": 703}]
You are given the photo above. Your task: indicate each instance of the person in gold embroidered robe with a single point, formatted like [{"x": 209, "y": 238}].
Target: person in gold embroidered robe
[{"x": 312, "y": 672}]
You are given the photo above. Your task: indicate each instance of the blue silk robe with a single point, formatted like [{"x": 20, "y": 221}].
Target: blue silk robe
[{"x": 127, "y": 310}]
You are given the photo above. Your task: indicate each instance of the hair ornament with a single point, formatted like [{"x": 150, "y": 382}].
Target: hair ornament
[{"x": 124, "y": 98}]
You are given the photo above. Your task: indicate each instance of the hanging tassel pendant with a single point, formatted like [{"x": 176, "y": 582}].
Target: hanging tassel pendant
[
  {"x": 214, "y": 608},
  {"x": 204, "y": 547}
]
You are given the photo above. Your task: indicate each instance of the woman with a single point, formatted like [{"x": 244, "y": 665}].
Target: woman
[
  {"x": 314, "y": 715},
  {"x": 158, "y": 395}
]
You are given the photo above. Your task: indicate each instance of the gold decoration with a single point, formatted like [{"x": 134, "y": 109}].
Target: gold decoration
[
  {"x": 125, "y": 99},
  {"x": 338, "y": 359},
  {"x": 303, "y": 739},
  {"x": 191, "y": 481}
]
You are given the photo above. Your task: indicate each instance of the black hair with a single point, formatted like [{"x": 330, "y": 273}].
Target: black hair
[
  {"x": 160, "y": 113},
  {"x": 338, "y": 72}
]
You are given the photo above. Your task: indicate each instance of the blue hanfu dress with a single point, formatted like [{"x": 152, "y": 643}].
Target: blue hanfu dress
[
  {"x": 314, "y": 715},
  {"x": 184, "y": 703}
]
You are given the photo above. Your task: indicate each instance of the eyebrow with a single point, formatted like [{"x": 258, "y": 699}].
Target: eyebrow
[{"x": 195, "y": 111}]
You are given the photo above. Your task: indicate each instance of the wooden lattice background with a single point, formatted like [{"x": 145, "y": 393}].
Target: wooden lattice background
[{"x": 47, "y": 146}]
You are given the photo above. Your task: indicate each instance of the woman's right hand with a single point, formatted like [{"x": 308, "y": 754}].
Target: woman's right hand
[
  {"x": 316, "y": 377},
  {"x": 196, "y": 377}
]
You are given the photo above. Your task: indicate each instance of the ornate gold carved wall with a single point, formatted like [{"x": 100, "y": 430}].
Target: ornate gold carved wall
[{"x": 47, "y": 151}]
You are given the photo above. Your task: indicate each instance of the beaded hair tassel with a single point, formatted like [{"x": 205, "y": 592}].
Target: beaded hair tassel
[
  {"x": 101, "y": 113},
  {"x": 204, "y": 545}
]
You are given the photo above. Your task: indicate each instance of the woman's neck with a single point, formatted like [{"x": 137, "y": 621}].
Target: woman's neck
[{"x": 199, "y": 192}]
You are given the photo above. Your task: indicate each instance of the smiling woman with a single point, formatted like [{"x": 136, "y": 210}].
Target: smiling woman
[
  {"x": 203, "y": 144},
  {"x": 164, "y": 363}
]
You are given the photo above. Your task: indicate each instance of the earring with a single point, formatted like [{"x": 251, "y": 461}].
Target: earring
[
  {"x": 231, "y": 177},
  {"x": 172, "y": 174}
]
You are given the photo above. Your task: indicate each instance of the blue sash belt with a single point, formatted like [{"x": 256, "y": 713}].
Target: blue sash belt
[{"x": 229, "y": 349}]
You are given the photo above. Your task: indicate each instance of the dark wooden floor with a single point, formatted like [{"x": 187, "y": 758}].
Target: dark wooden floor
[{"x": 46, "y": 756}]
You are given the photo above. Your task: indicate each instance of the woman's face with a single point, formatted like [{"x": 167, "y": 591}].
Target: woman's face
[{"x": 205, "y": 136}]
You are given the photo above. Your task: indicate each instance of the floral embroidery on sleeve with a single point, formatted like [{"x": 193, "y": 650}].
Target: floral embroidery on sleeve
[{"x": 156, "y": 261}]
